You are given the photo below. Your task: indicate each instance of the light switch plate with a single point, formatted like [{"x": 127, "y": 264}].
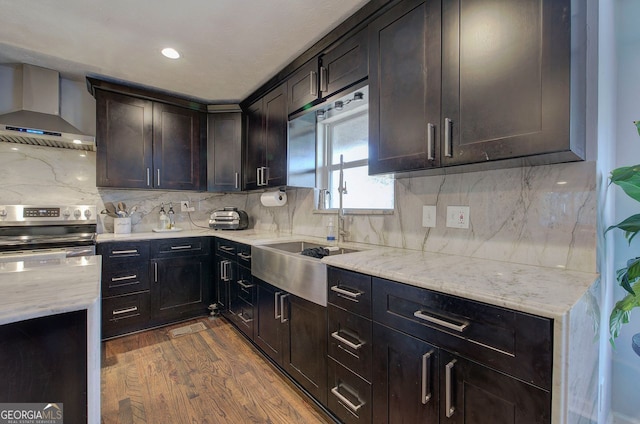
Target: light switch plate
[
  {"x": 185, "y": 206},
  {"x": 458, "y": 216},
  {"x": 428, "y": 216}
]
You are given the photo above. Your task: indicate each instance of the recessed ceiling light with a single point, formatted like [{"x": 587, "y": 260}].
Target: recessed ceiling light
[{"x": 170, "y": 53}]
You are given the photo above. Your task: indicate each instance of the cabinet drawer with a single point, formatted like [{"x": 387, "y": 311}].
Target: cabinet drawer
[
  {"x": 350, "y": 290},
  {"x": 118, "y": 252},
  {"x": 513, "y": 342},
  {"x": 124, "y": 314},
  {"x": 245, "y": 287},
  {"x": 129, "y": 278},
  {"x": 244, "y": 255},
  {"x": 350, "y": 340},
  {"x": 349, "y": 395},
  {"x": 226, "y": 248},
  {"x": 188, "y": 246}
]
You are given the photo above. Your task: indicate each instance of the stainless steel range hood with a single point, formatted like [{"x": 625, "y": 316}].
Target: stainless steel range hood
[{"x": 39, "y": 121}]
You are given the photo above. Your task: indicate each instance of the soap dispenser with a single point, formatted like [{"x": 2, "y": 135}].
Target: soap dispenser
[
  {"x": 172, "y": 217},
  {"x": 331, "y": 232},
  {"x": 163, "y": 222}
]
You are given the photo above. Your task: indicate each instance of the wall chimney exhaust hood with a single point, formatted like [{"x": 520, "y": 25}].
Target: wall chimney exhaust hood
[{"x": 39, "y": 121}]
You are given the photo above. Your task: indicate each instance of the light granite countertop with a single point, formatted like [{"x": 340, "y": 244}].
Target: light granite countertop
[
  {"x": 36, "y": 289},
  {"x": 547, "y": 292}
]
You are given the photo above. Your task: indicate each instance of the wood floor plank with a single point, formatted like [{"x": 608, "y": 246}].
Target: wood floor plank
[{"x": 212, "y": 376}]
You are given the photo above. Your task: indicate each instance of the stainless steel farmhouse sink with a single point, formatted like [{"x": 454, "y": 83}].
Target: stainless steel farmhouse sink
[{"x": 283, "y": 265}]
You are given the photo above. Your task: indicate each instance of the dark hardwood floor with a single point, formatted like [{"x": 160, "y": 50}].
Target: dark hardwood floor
[{"x": 212, "y": 376}]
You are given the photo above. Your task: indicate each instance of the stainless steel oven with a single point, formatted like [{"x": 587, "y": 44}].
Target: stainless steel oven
[{"x": 42, "y": 232}]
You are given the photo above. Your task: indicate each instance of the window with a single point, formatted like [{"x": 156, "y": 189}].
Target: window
[{"x": 343, "y": 130}]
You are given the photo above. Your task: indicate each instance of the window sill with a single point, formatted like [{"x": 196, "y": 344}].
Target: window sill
[{"x": 334, "y": 211}]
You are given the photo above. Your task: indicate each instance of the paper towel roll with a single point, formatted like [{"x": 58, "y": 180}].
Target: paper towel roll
[{"x": 274, "y": 198}]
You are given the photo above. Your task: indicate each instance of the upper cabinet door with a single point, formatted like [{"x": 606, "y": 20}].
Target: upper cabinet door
[
  {"x": 345, "y": 65},
  {"x": 176, "y": 148},
  {"x": 224, "y": 151},
  {"x": 254, "y": 151},
  {"x": 302, "y": 86},
  {"x": 505, "y": 79},
  {"x": 404, "y": 88},
  {"x": 275, "y": 137},
  {"x": 124, "y": 135}
]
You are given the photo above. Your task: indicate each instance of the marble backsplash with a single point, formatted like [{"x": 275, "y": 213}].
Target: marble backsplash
[{"x": 544, "y": 215}]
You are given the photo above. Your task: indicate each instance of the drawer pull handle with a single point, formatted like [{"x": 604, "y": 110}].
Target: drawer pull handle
[
  {"x": 346, "y": 402},
  {"x": 125, "y": 310},
  {"x": 430, "y": 137},
  {"x": 226, "y": 248},
  {"x": 458, "y": 327},
  {"x": 426, "y": 366},
  {"x": 242, "y": 284},
  {"x": 128, "y": 277},
  {"x": 336, "y": 335},
  {"x": 244, "y": 256},
  {"x": 186, "y": 246},
  {"x": 124, "y": 252},
  {"x": 448, "y": 146},
  {"x": 449, "y": 395},
  {"x": 245, "y": 320},
  {"x": 352, "y": 295}
]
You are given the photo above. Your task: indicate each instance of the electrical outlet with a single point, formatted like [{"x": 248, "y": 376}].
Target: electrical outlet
[
  {"x": 458, "y": 216},
  {"x": 185, "y": 206},
  {"x": 428, "y": 216}
]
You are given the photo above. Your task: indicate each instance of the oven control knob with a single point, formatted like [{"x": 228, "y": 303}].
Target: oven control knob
[
  {"x": 87, "y": 213},
  {"x": 66, "y": 213},
  {"x": 77, "y": 213}
]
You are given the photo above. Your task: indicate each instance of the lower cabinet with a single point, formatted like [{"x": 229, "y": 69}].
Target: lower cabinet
[
  {"x": 293, "y": 332},
  {"x": 405, "y": 378},
  {"x": 153, "y": 282}
]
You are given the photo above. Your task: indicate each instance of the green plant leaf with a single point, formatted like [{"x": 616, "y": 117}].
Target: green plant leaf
[
  {"x": 629, "y": 275},
  {"x": 637, "y": 126},
  {"x": 630, "y": 226},
  {"x": 621, "y": 311},
  {"x": 624, "y": 173}
]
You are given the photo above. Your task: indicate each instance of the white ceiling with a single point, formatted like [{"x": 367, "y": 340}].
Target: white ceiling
[{"x": 229, "y": 47}]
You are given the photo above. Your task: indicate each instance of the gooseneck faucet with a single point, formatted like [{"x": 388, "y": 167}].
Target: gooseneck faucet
[{"x": 342, "y": 190}]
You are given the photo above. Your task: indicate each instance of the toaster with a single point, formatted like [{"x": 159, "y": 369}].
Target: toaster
[{"x": 229, "y": 218}]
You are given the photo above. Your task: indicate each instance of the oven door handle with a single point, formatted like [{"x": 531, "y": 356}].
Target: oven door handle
[{"x": 85, "y": 251}]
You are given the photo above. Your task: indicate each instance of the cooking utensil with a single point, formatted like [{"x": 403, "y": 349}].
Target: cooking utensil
[{"x": 111, "y": 209}]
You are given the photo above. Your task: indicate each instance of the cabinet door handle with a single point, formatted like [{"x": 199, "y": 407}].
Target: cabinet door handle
[
  {"x": 430, "y": 137},
  {"x": 448, "y": 147},
  {"x": 313, "y": 83},
  {"x": 282, "y": 318},
  {"x": 128, "y": 277},
  {"x": 244, "y": 256},
  {"x": 259, "y": 171},
  {"x": 457, "y": 327},
  {"x": 350, "y": 295},
  {"x": 155, "y": 272},
  {"x": 324, "y": 83},
  {"x": 276, "y": 315},
  {"x": 426, "y": 366},
  {"x": 148, "y": 177},
  {"x": 226, "y": 248},
  {"x": 124, "y": 252},
  {"x": 124, "y": 311},
  {"x": 336, "y": 335},
  {"x": 448, "y": 391},
  {"x": 186, "y": 246},
  {"x": 245, "y": 320},
  {"x": 346, "y": 402},
  {"x": 237, "y": 180},
  {"x": 158, "y": 178},
  {"x": 222, "y": 271},
  {"x": 265, "y": 175}
]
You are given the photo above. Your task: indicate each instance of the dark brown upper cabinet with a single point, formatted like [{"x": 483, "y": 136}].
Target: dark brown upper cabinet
[
  {"x": 506, "y": 81},
  {"x": 265, "y": 163},
  {"x": 404, "y": 88},
  {"x": 146, "y": 144},
  {"x": 224, "y": 152},
  {"x": 340, "y": 67},
  {"x": 470, "y": 82}
]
